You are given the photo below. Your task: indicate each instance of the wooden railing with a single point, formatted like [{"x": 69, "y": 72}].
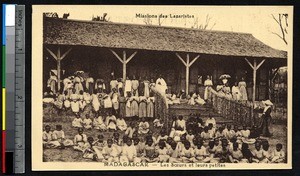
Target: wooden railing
[
  {"x": 161, "y": 107},
  {"x": 241, "y": 113}
]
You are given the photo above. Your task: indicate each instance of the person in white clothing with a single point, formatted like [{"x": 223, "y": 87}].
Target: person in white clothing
[
  {"x": 161, "y": 85},
  {"x": 121, "y": 124},
  {"x": 236, "y": 94},
  {"x": 128, "y": 86},
  {"x": 129, "y": 153},
  {"x": 207, "y": 83}
]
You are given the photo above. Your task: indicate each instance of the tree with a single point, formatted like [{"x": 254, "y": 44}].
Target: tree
[
  {"x": 101, "y": 18},
  {"x": 148, "y": 21},
  {"x": 283, "y": 25},
  {"x": 205, "y": 25}
]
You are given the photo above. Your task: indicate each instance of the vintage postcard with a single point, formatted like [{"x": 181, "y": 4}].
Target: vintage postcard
[{"x": 161, "y": 87}]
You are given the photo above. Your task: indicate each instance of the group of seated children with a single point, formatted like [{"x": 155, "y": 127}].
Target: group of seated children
[
  {"x": 112, "y": 123},
  {"x": 181, "y": 98},
  {"x": 189, "y": 140}
]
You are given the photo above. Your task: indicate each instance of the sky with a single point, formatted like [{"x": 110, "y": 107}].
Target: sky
[{"x": 256, "y": 20}]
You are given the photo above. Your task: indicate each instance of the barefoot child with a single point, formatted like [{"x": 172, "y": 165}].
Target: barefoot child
[
  {"x": 278, "y": 155},
  {"x": 129, "y": 153},
  {"x": 87, "y": 122},
  {"x": 150, "y": 155},
  {"x": 88, "y": 151},
  {"x": 173, "y": 153},
  {"x": 201, "y": 154},
  {"x": 98, "y": 123},
  {"x": 143, "y": 127},
  {"x": 109, "y": 152},
  {"x": 187, "y": 153},
  {"x": 121, "y": 124},
  {"x": 77, "y": 122},
  {"x": 257, "y": 153},
  {"x": 47, "y": 137},
  {"x": 110, "y": 122},
  {"x": 59, "y": 135},
  {"x": 235, "y": 154},
  {"x": 162, "y": 151},
  {"x": 79, "y": 140}
]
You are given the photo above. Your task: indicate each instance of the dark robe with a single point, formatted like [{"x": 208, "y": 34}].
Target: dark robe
[{"x": 265, "y": 122}]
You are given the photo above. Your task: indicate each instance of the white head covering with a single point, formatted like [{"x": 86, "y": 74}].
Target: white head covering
[{"x": 268, "y": 103}]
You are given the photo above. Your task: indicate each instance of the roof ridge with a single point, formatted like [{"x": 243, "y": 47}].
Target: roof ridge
[{"x": 153, "y": 26}]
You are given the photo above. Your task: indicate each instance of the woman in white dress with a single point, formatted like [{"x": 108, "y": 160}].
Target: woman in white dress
[
  {"x": 161, "y": 85},
  {"x": 95, "y": 101},
  {"x": 243, "y": 90},
  {"x": 146, "y": 89},
  {"x": 150, "y": 107},
  {"x": 115, "y": 99},
  {"x": 74, "y": 102},
  {"x": 52, "y": 81},
  {"x": 89, "y": 83},
  {"x": 236, "y": 94},
  {"x": 78, "y": 84},
  {"x": 207, "y": 83},
  {"x": 87, "y": 97},
  {"x": 128, "y": 86}
]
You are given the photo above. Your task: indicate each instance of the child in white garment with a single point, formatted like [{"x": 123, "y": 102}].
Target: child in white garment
[
  {"x": 79, "y": 140},
  {"x": 77, "y": 122},
  {"x": 129, "y": 153},
  {"x": 121, "y": 124},
  {"x": 87, "y": 122},
  {"x": 278, "y": 155}
]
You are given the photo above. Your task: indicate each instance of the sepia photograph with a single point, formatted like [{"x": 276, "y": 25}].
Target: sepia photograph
[{"x": 161, "y": 87}]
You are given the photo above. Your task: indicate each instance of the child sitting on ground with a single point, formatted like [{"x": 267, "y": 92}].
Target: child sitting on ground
[
  {"x": 162, "y": 151},
  {"x": 201, "y": 154},
  {"x": 187, "y": 153},
  {"x": 79, "y": 140},
  {"x": 278, "y": 155},
  {"x": 257, "y": 153},
  {"x": 98, "y": 123},
  {"x": 47, "y": 137},
  {"x": 235, "y": 154},
  {"x": 121, "y": 124},
  {"x": 87, "y": 122},
  {"x": 139, "y": 146},
  {"x": 88, "y": 151},
  {"x": 59, "y": 135},
  {"x": 163, "y": 136},
  {"x": 150, "y": 154},
  {"x": 173, "y": 152},
  {"x": 157, "y": 123},
  {"x": 77, "y": 122},
  {"x": 98, "y": 146},
  {"x": 110, "y": 153},
  {"x": 110, "y": 122},
  {"x": 131, "y": 129},
  {"x": 143, "y": 127},
  {"x": 129, "y": 153}
]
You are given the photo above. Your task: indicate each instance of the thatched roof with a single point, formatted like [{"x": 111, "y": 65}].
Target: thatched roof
[{"x": 157, "y": 38}]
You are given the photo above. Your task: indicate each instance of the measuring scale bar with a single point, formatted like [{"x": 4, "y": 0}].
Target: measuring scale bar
[{"x": 15, "y": 89}]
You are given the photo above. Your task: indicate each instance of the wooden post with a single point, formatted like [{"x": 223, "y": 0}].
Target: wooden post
[
  {"x": 187, "y": 74},
  {"x": 187, "y": 65},
  {"x": 58, "y": 59},
  {"x": 254, "y": 80},
  {"x": 254, "y": 67},
  {"x": 124, "y": 61},
  {"x": 124, "y": 66}
]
